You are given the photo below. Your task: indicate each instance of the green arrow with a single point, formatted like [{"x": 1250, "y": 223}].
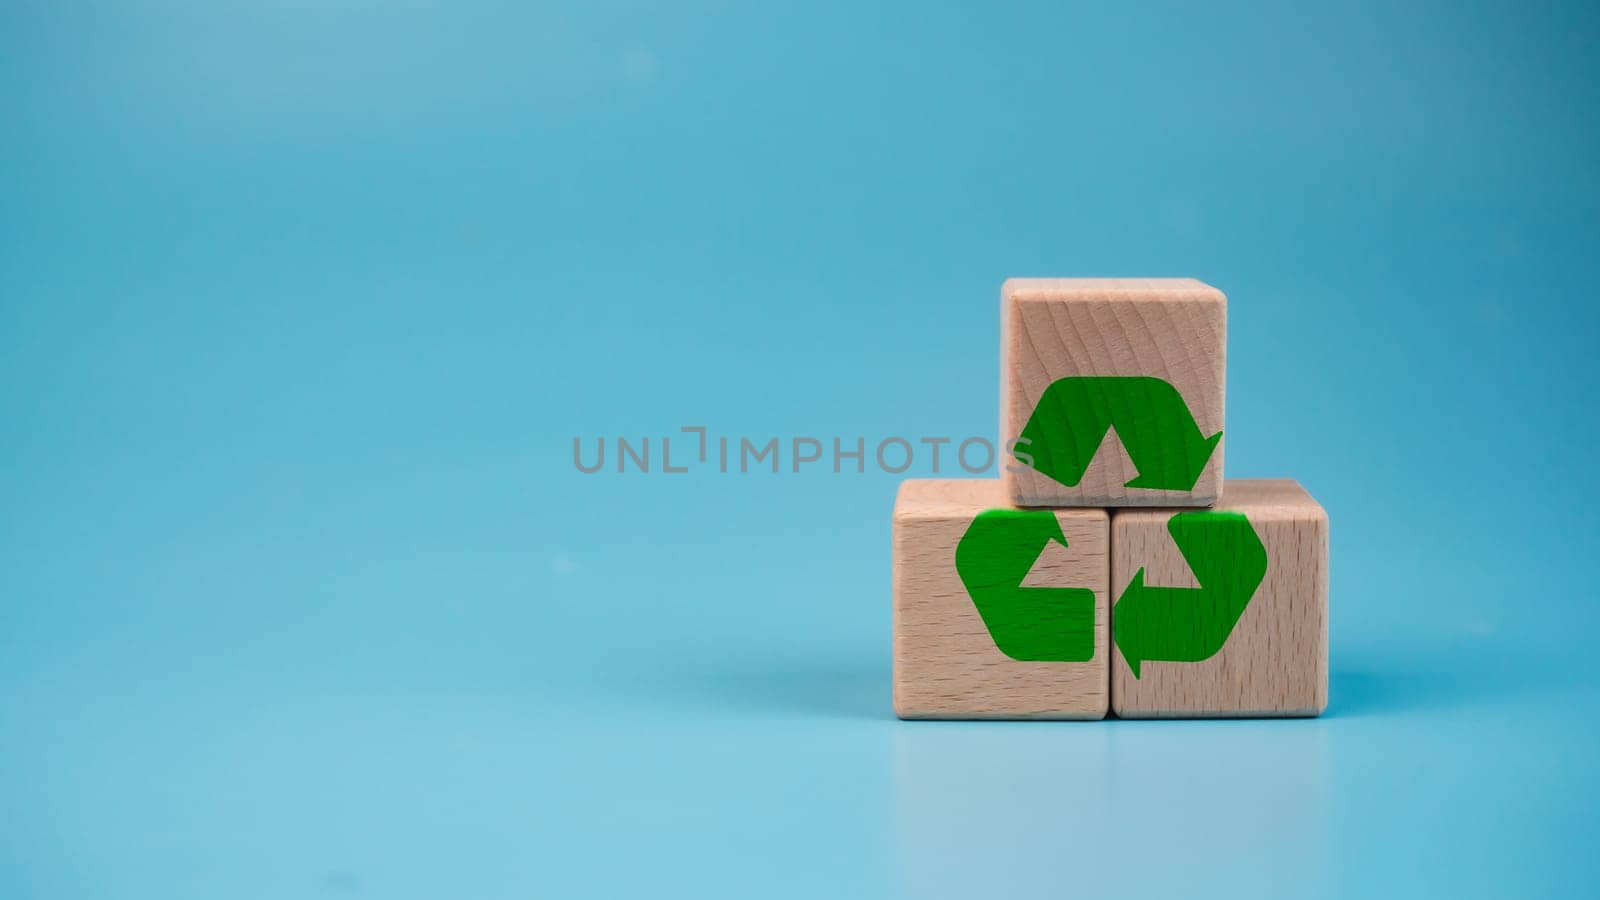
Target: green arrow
[
  {"x": 1030, "y": 624},
  {"x": 1154, "y": 423},
  {"x": 1192, "y": 624}
]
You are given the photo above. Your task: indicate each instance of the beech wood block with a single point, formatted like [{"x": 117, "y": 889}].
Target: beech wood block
[
  {"x": 1112, "y": 390},
  {"x": 1222, "y": 612},
  {"x": 999, "y": 613}
]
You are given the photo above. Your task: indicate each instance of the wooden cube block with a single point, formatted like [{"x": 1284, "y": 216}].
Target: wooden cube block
[
  {"x": 999, "y": 613},
  {"x": 1222, "y": 612},
  {"x": 1082, "y": 360}
]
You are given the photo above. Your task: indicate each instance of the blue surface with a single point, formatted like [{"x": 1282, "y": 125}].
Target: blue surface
[{"x": 301, "y": 309}]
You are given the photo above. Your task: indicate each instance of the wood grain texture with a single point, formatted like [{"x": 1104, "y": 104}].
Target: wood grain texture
[
  {"x": 946, "y": 665},
  {"x": 1275, "y": 662},
  {"x": 1169, "y": 328}
]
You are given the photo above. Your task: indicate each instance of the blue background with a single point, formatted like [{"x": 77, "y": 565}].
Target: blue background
[{"x": 302, "y": 305}]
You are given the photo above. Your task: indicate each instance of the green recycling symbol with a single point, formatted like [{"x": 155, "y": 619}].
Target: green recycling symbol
[
  {"x": 1053, "y": 624},
  {"x": 1192, "y": 624},
  {"x": 1074, "y": 414},
  {"x": 1029, "y": 624}
]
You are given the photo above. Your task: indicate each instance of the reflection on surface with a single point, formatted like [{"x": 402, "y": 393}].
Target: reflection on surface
[
  {"x": 990, "y": 809},
  {"x": 1104, "y": 807}
]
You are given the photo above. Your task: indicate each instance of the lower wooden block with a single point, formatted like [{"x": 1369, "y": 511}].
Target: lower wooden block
[
  {"x": 1224, "y": 611},
  {"x": 999, "y": 613}
]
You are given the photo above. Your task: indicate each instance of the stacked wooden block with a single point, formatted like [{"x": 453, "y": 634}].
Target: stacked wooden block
[{"x": 1111, "y": 567}]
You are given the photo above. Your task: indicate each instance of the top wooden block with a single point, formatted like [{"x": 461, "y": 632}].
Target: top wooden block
[{"x": 1136, "y": 364}]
